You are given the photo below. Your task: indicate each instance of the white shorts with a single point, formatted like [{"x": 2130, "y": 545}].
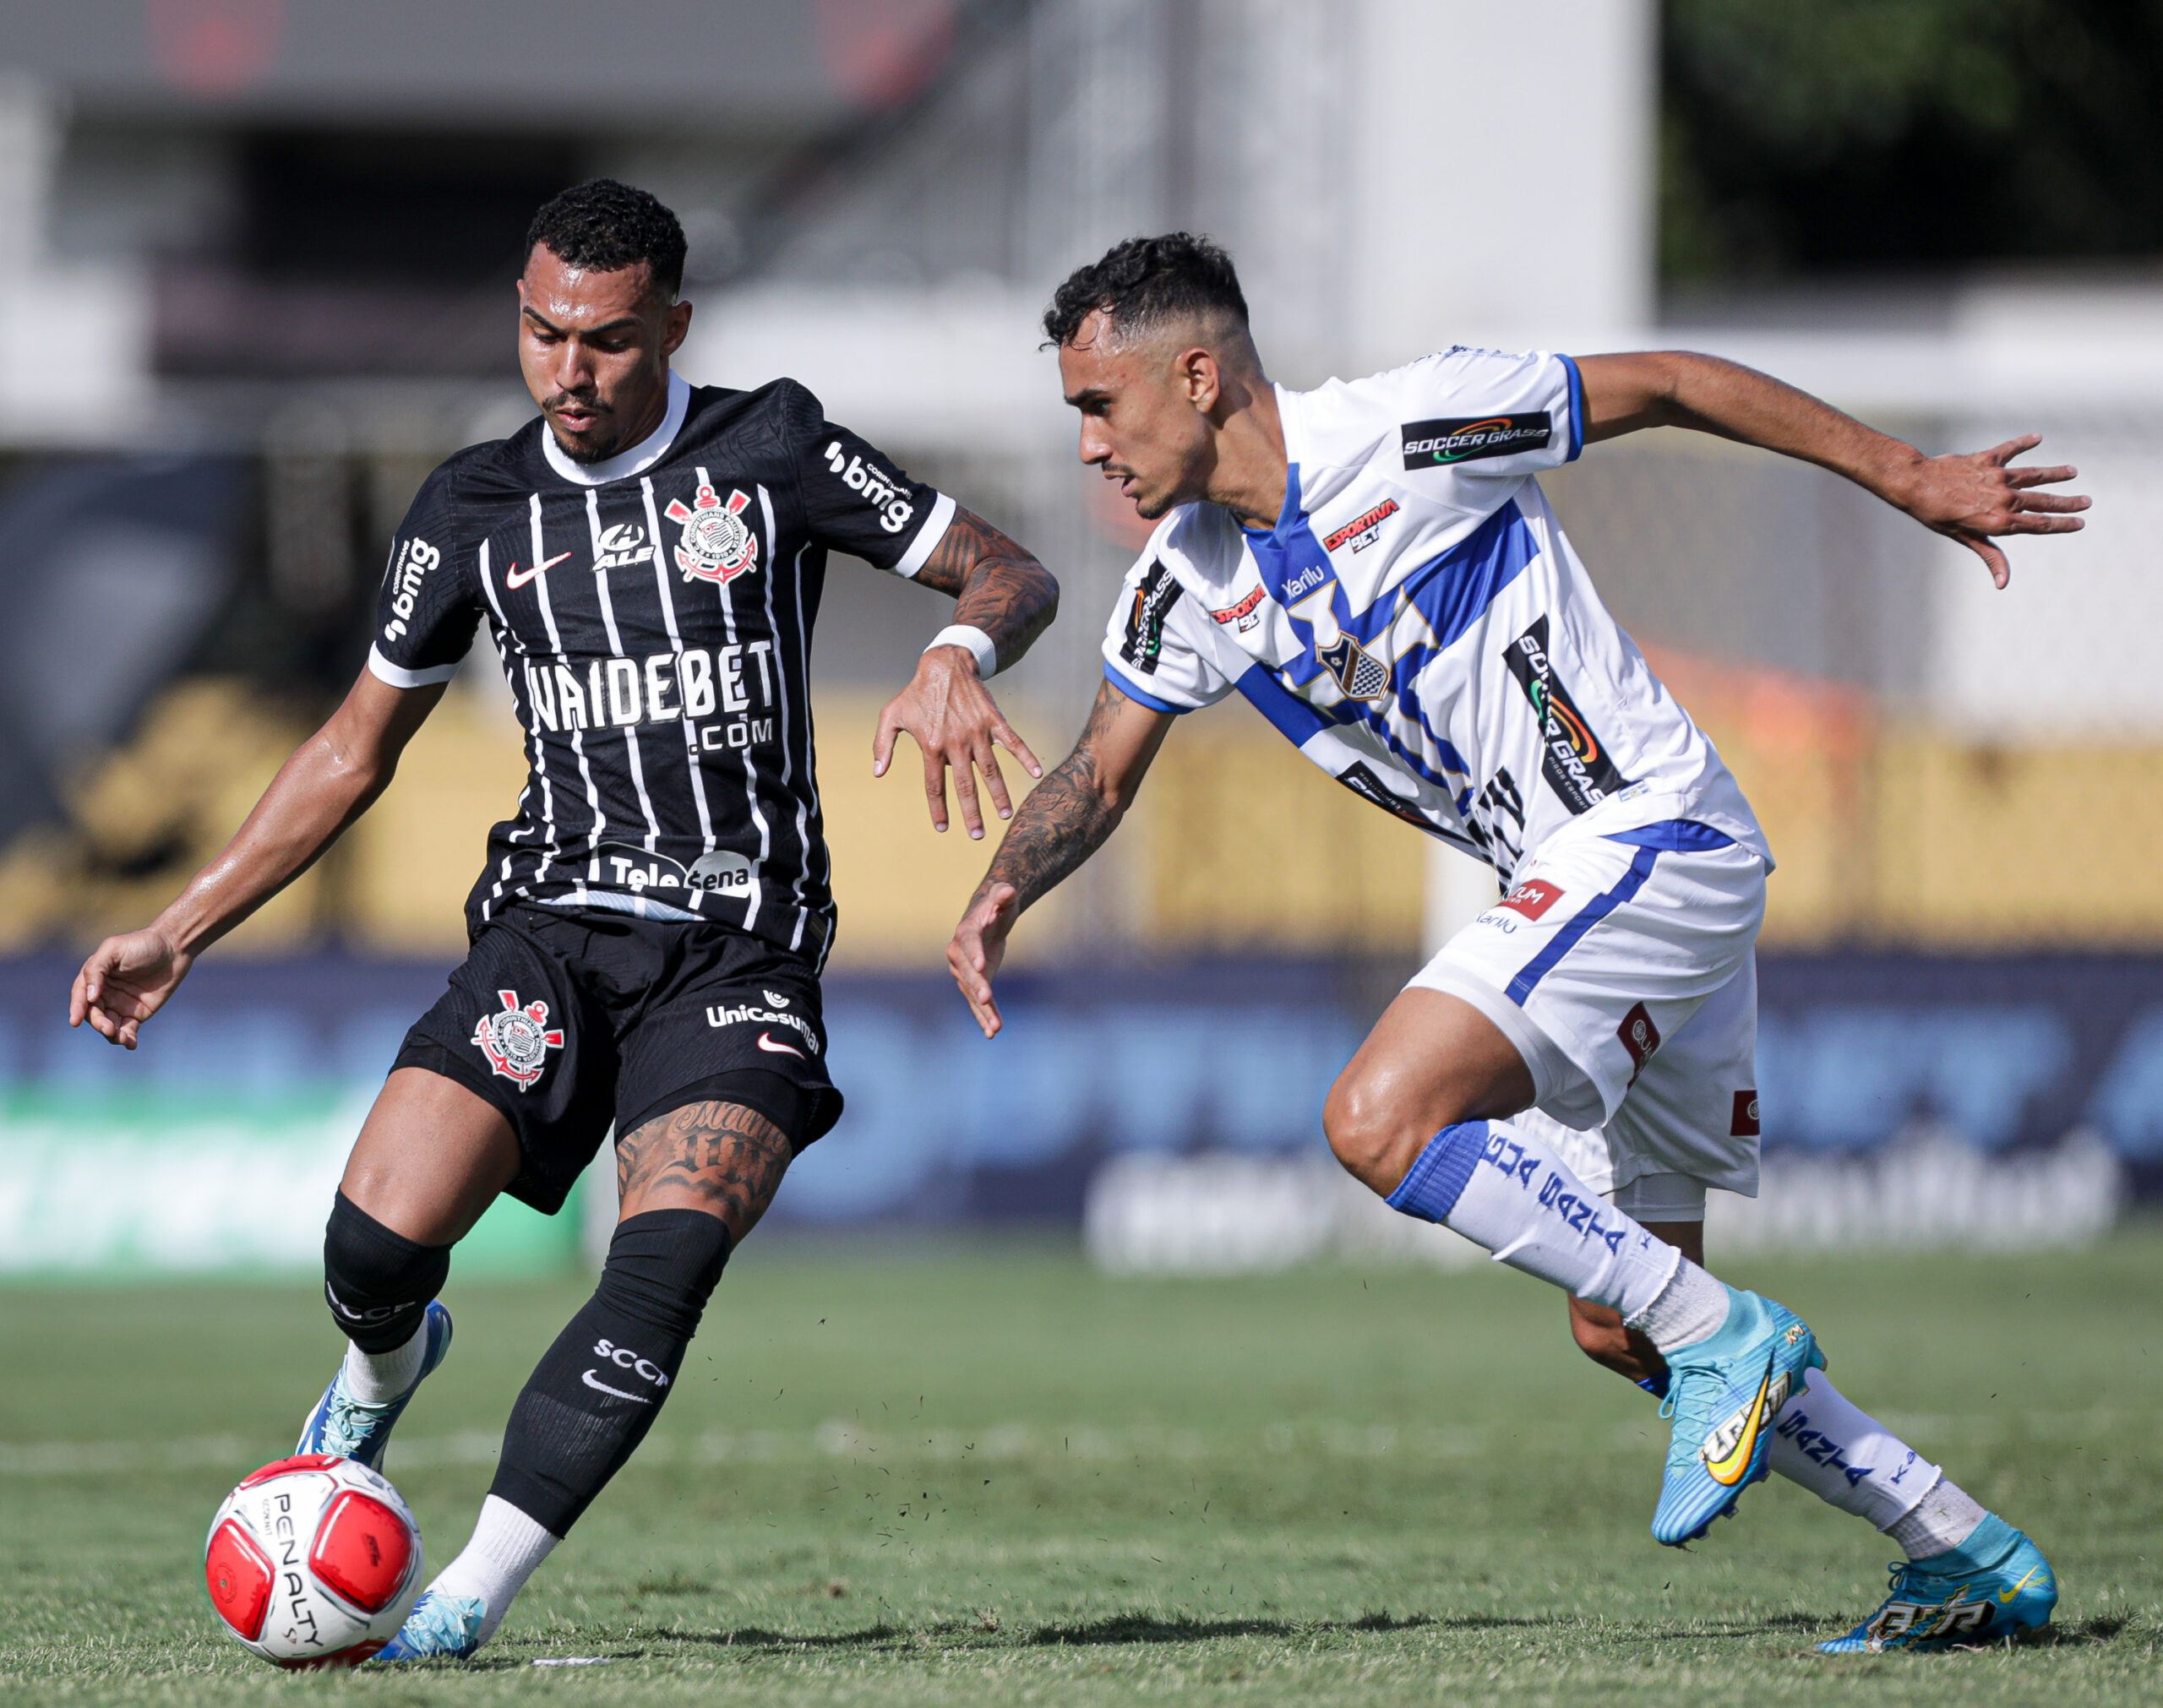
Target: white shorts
[{"x": 1624, "y": 969}]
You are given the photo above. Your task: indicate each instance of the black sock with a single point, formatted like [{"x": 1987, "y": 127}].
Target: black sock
[
  {"x": 377, "y": 1283},
  {"x": 597, "y": 1392}
]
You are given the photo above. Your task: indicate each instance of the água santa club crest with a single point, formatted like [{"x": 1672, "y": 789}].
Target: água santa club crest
[
  {"x": 517, "y": 1040},
  {"x": 717, "y": 544}
]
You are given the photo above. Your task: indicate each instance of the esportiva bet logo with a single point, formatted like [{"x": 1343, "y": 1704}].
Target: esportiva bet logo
[{"x": 517, "y": 1039}]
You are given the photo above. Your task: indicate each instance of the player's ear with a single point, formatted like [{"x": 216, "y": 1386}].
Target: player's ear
[
  {"x": 1198, "y": 378},
  {"x": 675, "y": 326}
]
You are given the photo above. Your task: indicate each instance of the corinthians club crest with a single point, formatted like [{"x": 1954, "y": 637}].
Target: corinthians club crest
[
  {"x": 517, "y": 1040},
  {"x": 717, "y": 545}
]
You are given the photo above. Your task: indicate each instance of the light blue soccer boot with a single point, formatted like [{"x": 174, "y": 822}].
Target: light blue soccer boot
[
  {"x": 446, "y": 1627},
  {"x": 1994, "y": 1586},
  {"x": 356, "y": 1429},
  {"x": 1724, "y": 1393}
]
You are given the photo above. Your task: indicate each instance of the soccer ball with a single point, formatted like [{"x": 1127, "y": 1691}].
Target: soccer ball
[{"x": 313, "y": 1562}]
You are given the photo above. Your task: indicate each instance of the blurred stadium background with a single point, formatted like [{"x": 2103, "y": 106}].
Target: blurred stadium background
[{"x": 259, "y": 255}]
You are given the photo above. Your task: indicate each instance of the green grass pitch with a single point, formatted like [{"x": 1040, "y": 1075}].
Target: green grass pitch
[{"x": 990, "y": 1476}]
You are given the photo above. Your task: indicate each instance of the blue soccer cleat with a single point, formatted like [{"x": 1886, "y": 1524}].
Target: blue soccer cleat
[
  {"x": 356, "y": 1429},
  {"x": 439, "y": 1627},
  {"x": 1995, "y": 1586},
  {"x": 1724, "y": 1393}
]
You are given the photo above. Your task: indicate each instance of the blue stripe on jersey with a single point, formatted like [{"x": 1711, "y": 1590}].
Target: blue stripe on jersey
[
  {"x": 1588, "y": 917},
  {"x": 1577, "y": 410},
  {"x": 1453, "y": 591},
  {"x": 1295, "y": 720},
  {"x": 1141, "y": 696},
  {"x": 1674, "y": 836}
]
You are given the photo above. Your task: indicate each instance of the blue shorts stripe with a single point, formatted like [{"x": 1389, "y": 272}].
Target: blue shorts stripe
[
  {"x": 1436, "y": 1181},
  {"x": 1588, "y": 917}
]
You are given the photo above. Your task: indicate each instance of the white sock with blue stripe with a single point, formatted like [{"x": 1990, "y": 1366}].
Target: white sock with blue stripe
[{"x": 1505, "y": 1190}]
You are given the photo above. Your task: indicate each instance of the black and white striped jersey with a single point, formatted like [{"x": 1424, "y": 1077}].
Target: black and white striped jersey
[{"x": 653, "y": 614}]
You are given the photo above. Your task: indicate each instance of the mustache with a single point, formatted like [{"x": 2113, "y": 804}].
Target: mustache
[{"x": 585, "y": 401}]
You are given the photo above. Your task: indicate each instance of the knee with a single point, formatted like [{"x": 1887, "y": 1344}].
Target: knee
[
  {"x": 377, "y": 1281},
  {"x": 1372, "y": 1132}
]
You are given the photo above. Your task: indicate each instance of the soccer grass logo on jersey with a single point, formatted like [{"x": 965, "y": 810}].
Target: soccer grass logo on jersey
[
  {"x": 1467, "y": 438},
  {"x": 717, "y": 544},
  {"x": 516, "y": 1040},
  {"x": 1154, "y": 600},
  {"x": 1572, "y": 758}
]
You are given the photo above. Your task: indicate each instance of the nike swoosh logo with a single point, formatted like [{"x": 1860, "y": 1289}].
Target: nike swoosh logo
[
  {"x": 768, "y": 1045},
  {"x": 1729, "y": 1470},
  {"x": 604, "y": 1387},
  {"x": 513, "y": 578},
  {"x": 2006, "y": 1596}
]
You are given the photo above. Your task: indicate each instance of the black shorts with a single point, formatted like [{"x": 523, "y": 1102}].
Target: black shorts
[{"x": 569, "y": 1021}]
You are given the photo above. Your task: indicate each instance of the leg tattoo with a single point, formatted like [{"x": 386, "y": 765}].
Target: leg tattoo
[{"x": 721, "y": 1158}]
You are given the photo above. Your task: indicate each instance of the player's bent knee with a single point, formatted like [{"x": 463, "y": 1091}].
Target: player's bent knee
[
  {"x": 1376, "y": 1138},
  {"x": 377, "y": 1282}
]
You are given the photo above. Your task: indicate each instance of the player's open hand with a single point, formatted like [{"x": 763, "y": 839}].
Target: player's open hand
[
  {"x": 957, "y": 723},
  {"x": 127, "y": 980},
  {"x": 1980, "y": 497},
  {"x": 979, "y": 946}
]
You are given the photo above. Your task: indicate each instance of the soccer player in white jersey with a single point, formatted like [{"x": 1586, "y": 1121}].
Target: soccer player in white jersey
[{"x": 1373, "y": 565}]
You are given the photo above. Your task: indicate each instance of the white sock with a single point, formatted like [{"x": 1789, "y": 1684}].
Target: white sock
[
  {"x": 1504, "y": 1189},
  {"x": 506, "y": 1548},
  {"x": 1691, "y": 1308},
  {"x": 1943, "y": 1518},
  {"x": 1847, "y": 1459},
  {"x": 376, "y": 1378}
]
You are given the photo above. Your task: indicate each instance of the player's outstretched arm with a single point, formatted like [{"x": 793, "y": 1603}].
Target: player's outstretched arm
[
  {"x": 1977, "y": 499},
  {"x": 999, "y": 589},
  {"x": 1061, "y": 825},
  {"x": 330, "y": 780}
]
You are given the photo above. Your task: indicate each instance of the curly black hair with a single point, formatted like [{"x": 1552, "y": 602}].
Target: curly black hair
[
  {"x": 1145, "y": 281},
  {"x": 602, "y": 225}
]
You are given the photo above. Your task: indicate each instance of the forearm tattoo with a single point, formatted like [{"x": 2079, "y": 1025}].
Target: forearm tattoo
[
  {"x": 723, "y": 1157},
  {"x": 997, "y": 586},
  {"x": 1066, "y": 820}
]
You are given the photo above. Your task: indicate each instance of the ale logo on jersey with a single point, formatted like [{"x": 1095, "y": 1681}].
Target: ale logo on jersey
[
  {"x": 1571, "y": 758},
  {"x": 517, "y": 1039},
  {"x": 1467, "y": 438},
  {"x": 717, "y": 544}
]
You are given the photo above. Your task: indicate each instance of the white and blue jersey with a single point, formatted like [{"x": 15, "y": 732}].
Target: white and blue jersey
[{"x": 1417, "y": 624}]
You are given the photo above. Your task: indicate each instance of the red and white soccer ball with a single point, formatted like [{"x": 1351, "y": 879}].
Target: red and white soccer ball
[{"x": 313, "y": 1562}]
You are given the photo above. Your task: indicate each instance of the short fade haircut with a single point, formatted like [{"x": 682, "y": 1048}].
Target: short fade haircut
[
  {"x": 1146, "y": 282},
  {"x": 602, "y": 226}
]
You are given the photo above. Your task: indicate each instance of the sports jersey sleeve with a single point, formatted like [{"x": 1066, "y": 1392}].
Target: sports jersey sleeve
[
  {"x": 856, "y": 501},
  {"x": 1479, "y": 413},
  {"x": 427, "y": 611},
  {"x": 1158, "y": 647}
]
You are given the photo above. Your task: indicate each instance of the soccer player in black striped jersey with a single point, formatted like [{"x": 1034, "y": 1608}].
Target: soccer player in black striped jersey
[{"x": 647, "y": 932}]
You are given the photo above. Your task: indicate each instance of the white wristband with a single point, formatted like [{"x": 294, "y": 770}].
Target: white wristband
[{"x": 975, "y": 640}]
